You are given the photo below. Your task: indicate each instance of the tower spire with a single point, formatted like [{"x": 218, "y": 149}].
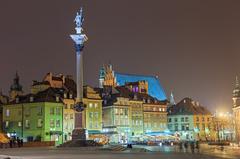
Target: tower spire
[
  {"x": 172, "y": 101},
  {"x": 237, "y": 82}
]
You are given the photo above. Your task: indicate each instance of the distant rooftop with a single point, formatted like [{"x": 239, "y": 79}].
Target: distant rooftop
[{"x": 154, "y": 87}]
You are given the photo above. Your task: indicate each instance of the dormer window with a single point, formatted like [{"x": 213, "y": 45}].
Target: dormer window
[
  {"x": 31, "y": 99},
  {"x": 57, "y": 98},
  {"x": 65, "y": 95},
  {"x": 135, "y": 97},
  {"x": 17, "y": 100}
]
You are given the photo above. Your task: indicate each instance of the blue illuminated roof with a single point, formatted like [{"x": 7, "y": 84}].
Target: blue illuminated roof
[{"x": 154, "y": 87}]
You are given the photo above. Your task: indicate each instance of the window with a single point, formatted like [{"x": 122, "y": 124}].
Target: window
[
  {"x": 90, "y": 105},
  {"x": 116, "y": 111},
  {"x": 160, "y": 109},
  {"x": 7, "y": 112},
  {"x": 91, "y": 115},
  {"x": 71, "y": 106},
  {"x": 7, "y": 124},
  {"x": 208, "y": 119},
  {"x": 186, "y": 119},
  {"x": 197, "y": 118},
  {"x": 183, "y": 127},
  {"x": 71, "y": 116},
  {"x": 51, "y": 111},
  {"x": 58, "y": 111},
  {"x": 163, "y": 109},
  {"x": 176, "y": 120},
  {"x": 96, "y": 105},
  {"x": 27, "y": 111},
  {"x": 58, "y": 123},
  {"x": 20, "y": 112},
  {"x": 203, "y": 126},
  {"x": 169, "y": 120},
  {"x": 176, "y": 127},
  {"x": 182, "y": 119},
  {"x": 203, "y": 119},
  {"x": 27, "y": 124},
  {"x": 96, "y": 115},
  {"x": 40, "y": 111},
  {"x": 19, "y": 124},
  {"x": 40, "y": 123},
  {"x": 96, "y": 125},
  {"x": 187, "y": 127},
  {"x": 52, "y": 123},
  {"x": 198, "y": 126}
]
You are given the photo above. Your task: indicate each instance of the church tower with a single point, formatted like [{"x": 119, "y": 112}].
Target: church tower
[
  {"x": 16, "y": 88},
  {"x": 101, "y": 77}
]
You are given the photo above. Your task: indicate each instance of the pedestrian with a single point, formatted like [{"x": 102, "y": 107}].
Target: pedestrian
[
  {"x": 18, "y": 142},
  {"x": 180, "y": 146},
  {"x": 192, "y": 146},
  {"x": 197, "y": 146},
  {"x": 11, "y": 143},
  {"x": 21, "y": 142}
]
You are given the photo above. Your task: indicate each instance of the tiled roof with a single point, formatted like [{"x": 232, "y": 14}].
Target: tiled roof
[
  {"x": 110, "y": 95},
  {"x": 48, "y": 95},
  {"x": 154, "y": 87},
  {"x": 188, "y": 107}
]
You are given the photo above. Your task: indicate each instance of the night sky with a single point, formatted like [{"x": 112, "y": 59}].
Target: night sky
[{"x": 192, "y": 46}]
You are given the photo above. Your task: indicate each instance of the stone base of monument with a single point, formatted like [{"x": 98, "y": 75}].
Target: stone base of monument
[
  {"x": 79, "y": 139},
  {"x": 80, "y": 143}
]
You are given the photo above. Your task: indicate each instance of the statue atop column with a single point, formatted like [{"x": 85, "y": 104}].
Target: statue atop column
[{"x": 79, "y": 21}]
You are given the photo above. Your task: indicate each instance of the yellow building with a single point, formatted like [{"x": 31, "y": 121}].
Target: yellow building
[
  {"x": 188, "y": 120},
  {"x": 92, "y": 119}
]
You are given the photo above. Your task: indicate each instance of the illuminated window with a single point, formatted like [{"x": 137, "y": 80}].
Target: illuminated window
[
  {"x": 96, "y": 105},
  {"x": 6, "y": 124},
  {"x": 58, "y": 123},
  {"x": 52, "y": 124},
  {"x": 90, "y": 105},
  {"x": 19, "y": 124},
  {"x": 58, "y": 111},
  {"x": 40, "y": 111},
  {"x": 27, "y": 124},
  {"x": 40, "y": 123},
  {"x": 51, "y": 111},
  {"x": 7, "y": 112}
]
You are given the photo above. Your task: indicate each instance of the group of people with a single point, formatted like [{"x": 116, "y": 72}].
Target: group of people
[
  {"x": 193, "y": 145},
  {"x": 15, "y": 142}
]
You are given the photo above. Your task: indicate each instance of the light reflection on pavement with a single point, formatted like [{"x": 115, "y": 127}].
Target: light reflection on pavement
[{"x": 164, "y": 152}]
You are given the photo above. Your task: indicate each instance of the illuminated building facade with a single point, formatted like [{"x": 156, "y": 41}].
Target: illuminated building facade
[
  {"x": 3, "y": 100},
  {"x": 190, "y": 121},
  {"x": 236, "y": 110},
  {"x": 35, "y": 117},
  {"x": 129, "y": 115}
]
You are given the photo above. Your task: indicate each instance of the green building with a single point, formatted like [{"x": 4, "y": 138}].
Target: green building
[{"x": 35, "y": 117}]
